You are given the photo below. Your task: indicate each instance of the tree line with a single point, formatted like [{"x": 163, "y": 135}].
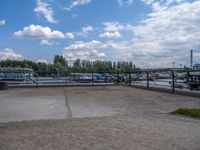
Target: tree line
[{"x": 60, "y": 66}]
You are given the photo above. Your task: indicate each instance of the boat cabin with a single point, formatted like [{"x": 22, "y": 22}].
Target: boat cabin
[
  {"x": 15, "y": 74},
  {"x": 194, "y": 80}
]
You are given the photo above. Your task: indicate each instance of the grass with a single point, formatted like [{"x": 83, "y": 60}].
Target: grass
[{"x": 191, "y": 112}]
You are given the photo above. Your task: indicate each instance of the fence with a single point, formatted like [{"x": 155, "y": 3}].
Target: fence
[
  {"x": 73, "y": 79},
  {"x": 174, "y": 81},
  {"x": 163, "y": 79}
]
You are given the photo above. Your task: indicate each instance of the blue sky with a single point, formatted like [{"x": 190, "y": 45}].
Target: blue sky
[{"x": 150, "y": 33}]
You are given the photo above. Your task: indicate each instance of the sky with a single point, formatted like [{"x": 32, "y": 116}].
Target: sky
[{"x": 150, "y": 33}]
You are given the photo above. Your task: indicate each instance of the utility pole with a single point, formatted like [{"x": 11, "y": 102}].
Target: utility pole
[{"x": 191, "y": 58}]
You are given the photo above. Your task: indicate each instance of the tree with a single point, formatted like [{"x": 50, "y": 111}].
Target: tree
[
  {"x": 60, "y": 66},
  {"x": 60, "y": 59},
  {"x": 77, "y": 65}
]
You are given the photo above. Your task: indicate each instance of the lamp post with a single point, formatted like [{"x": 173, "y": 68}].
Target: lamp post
[{"x": 173, "y": 63}]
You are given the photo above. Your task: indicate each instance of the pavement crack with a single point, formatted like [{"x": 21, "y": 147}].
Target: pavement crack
[{"x": 67, "y": 103}]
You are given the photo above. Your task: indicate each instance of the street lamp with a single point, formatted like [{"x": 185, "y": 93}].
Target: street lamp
[{"x": 173, "y": 63}]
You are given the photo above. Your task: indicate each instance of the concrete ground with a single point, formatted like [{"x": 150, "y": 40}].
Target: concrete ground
[
  {"x": 85, "y": 118},
  {"x": 32, "y": 104}
]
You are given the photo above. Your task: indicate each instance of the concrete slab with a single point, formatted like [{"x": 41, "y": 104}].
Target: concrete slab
[
  {"x": 32, "y": 104},
  {"x": 134, "y": 119},
  {"x": 84, "y": 105}
]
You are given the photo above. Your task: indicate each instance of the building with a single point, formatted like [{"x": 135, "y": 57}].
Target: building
[{"x": 196, "y": 66}]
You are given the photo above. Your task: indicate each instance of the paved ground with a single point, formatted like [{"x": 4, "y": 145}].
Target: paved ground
[
  {"x": 85, "y": 118},
  {"x": 32, "y": 104}
]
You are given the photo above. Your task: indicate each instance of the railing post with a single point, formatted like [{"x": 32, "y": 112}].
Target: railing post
[
  {"x": 74, "y": 79},
  {"x": 92, "y": 79},
  {"x": 129, "y": 79},
  {"x": 65, "y": 80},
  {"x": 37, "y": 81},
  {"x": 147, "y": 80},
  {"x": 188, "y": 76},
  {"x": 173, "y": 82},
  {"x": 117, "y": 78}
]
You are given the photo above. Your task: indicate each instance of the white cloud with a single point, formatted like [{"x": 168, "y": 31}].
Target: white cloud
[
  {"x": 115, "y": 34},
  {"x": 167, "y": 31},
  {"x": 116, "y": 26},
  {"x": 165, "y": 36},
  {"x": 97, "y": 54},
  {"x": 98, "y": 45},
  {"x": 39, "y": 32},
  {"x": 84, "y": 31},
  {"x": 148, "y": 2},
  {"x": 49, "y": 43},
  {"x": 45, "y": 9},
  {"x": 87, "y": 29},
  {"x": 96, "y": 50},
  {"x": 80, "y": 45},
  {"x": 2, "y": 22},
  {"x": 69, "y": 35},
  {"x": 89, "y": 55},
  {"x": 124, "y": 2},
  {"x": 42, "y": 61},
  {"x": 84, "y": 50},
  {"x": 163, "y": 2},
  {"x": 113, "y": 26},
  {"x": 8, "y": 53},
  {"x": 168, "y": 2},
  {"x": 75, "y": 3},
  {"x": 112, "y": 29}
]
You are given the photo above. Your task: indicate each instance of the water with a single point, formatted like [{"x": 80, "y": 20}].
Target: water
[{"x": 164, "y": 83}]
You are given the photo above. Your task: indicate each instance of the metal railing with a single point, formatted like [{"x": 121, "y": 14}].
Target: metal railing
[
  {"x": 168, "y": 79},
  {"x": 171, "y": 80},
  {"x": 64, "y": 80}
]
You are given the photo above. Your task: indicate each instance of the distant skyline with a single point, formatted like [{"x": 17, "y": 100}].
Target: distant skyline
[{"x": 150, "y": 33}]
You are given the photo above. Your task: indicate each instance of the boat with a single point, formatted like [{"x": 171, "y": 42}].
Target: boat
[
  {"x": 15, "y": 74},
  {"x": 193, "y": 79}
]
